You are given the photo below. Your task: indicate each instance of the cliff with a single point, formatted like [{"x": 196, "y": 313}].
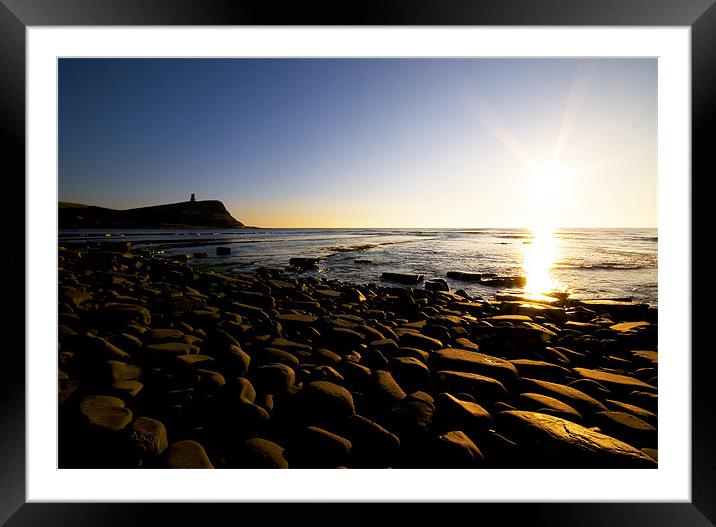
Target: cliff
[{"x": 185, "y": 215}]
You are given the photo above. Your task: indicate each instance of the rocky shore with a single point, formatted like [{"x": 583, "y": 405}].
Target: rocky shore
[{"x": 162, "y": 365}]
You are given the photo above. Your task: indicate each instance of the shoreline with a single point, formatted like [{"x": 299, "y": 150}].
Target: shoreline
[{"x": 164, "y": 365}]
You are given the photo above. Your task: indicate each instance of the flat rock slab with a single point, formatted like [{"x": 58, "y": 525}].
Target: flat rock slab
[
  {"x": 187, "y": 454},
  {"x": 171, "y": 348},
  {"x": 538, "y": 401},
  {"x": 417, "y": 340},
  {"x": 626, "y": 426},
  {"x": 164, "y": 334},
  {"x": 539, "y": 369},
  {"x": 632, "y": 409},
  {"x": 403, "y": 278},
  {"x": 473, "y": 362},
  {"x": 629, "y": 327},
  {"x": 477, "y": 385},
  {"x": 105, "y": 412},
  {"x": 651, "y": 357},
  {"x": 571, "y": 445},
  {"x": 465, "y": 276},
  {"x": 511, "y": 318},
  {"x": 613, "y": 379},
  {"x": 580, "y": 400}
]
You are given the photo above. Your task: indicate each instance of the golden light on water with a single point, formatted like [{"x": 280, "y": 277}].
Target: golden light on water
[{"x": 538, "y": 259}]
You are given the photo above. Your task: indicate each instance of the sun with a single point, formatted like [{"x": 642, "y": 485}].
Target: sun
[{"x": 547, "y": 189}]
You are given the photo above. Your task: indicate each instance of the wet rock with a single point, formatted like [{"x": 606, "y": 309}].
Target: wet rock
[
  {"x": 575, "y": 398},
  {"x": 326, "y": 402},
  {"x": 613, "y": 379},
  {"x": 403, "y": 278},
  {"x": 590, "y": 387},
  {"x": 410, "y": 372},
  {"x": 223, "y": 251},
  {"x": 304, "y": 263},
  {"x": 626, "y": 427},
  {"x": 557, "y": 442},
  {"x": 148, "y": 438},
  {"x": 546, "y": 404},
  {"x": 262, "y": 453},
  {"x": 455, "y": 450},
  {"x": 386, "y": 389},
  {"x": 105, "y": 412},
  {"x": 123, "y": 313},
  {"x": 186, "y": 454},
  {"x": 116, "y": 371},
  {"x": 126, "y": 390},
  {"x": 163, "y": 335},
  {"x": 537, "y": 369},
  {"x": 314, "y": 447},
  {"x": 480, "y": 386},
  {"x": 641, "y": 413},
  {"x": 465, "y": 276},
  {"x": 324, "y": 356},
  {"x": 473, "y": 362},
  {"x": 275, "y": 378},
  {"x": 417, "y": 340},
  {"x": 373, "y": 445},
  {"x": 274, "y": 355},
  {"x": 413, "y": 416},
  {"x": 437, "y": 284},
  {"x": 462, "y": 415}
]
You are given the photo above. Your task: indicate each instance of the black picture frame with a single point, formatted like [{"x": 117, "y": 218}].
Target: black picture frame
[{"x": 17, "y": 15}]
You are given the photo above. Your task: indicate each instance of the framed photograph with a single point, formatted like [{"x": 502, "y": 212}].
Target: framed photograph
[{"x": 413, "y": 255}]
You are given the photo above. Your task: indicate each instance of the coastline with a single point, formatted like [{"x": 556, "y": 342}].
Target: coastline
[{"x": 164, "y": 365}]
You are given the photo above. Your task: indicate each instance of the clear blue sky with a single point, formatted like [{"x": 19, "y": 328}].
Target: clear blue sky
[{"x": 366, "y": 142}]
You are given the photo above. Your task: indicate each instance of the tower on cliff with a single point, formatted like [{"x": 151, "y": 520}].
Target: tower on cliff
[{"x": 192, "y": 198}]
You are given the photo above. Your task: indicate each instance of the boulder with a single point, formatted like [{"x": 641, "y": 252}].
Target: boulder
[
  {"x": 613, "y": 379},
  {"x": 473, "y": 362},
  {"x": 326, "y": 402},
  {"x": 437, "y": 284},
  {"x": 556, "y": 442},
  {"x": 579, "y": 400},
  {"x": 373, "y": 445},
  {"x": 403, "y": 278},
  {"x": 385, "y": 388},
  {"x": 457, "y": 414},
  {"x": 148, "y": 438},
  {"x": 304, "y": 263},
  {"x": 262, "y": 453},
  {"x": 105, "y": 413},
  {"x": 454, "y": 450},
  {"x": 417, "y": 340},
  {"x": 480, "y": 386},
  {"x": 186, "y": 454},
  {"x": 314, "y": 447},
  {"x": 547, "y": 404}
]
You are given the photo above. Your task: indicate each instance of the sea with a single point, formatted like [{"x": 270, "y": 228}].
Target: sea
[{"x": 586, "y": 263}]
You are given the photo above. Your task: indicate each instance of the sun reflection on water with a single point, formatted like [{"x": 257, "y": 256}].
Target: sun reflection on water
[{"x": 538, "y": 259}]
